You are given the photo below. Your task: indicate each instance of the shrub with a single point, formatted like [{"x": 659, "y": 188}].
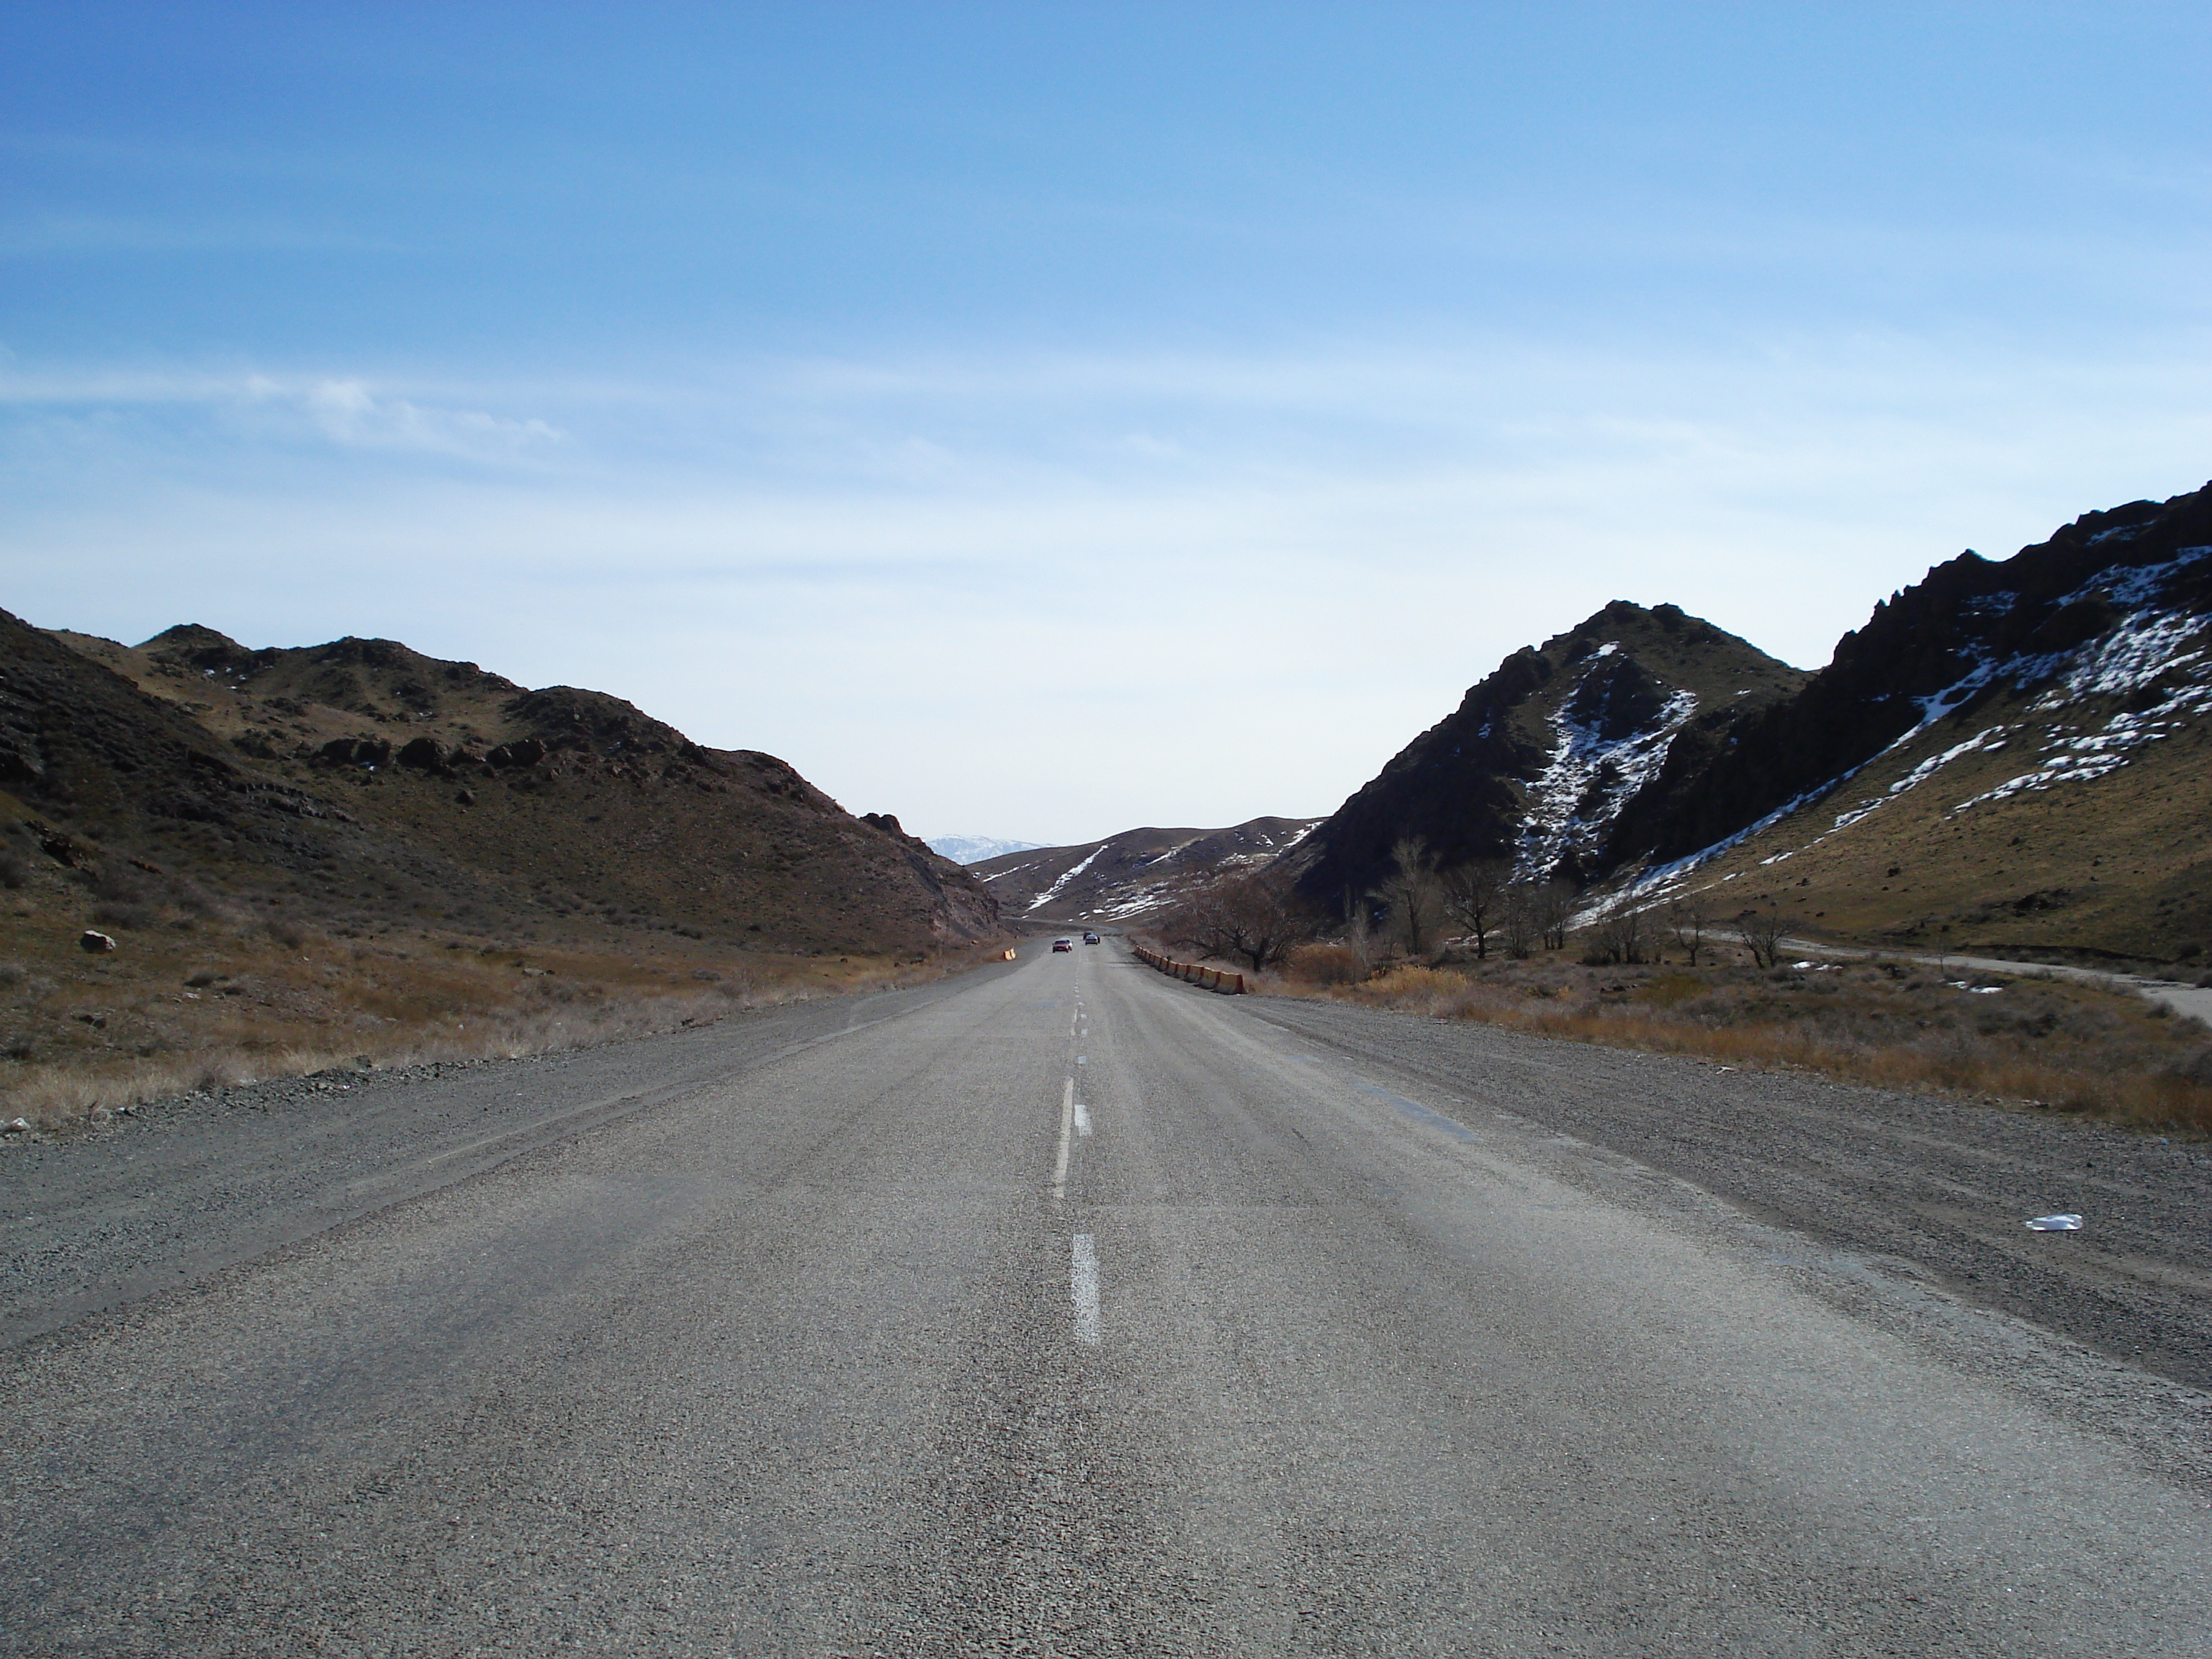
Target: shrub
[
  {"x": 2069, "y": 1047},
  {"x": 1326, "y": 964}
]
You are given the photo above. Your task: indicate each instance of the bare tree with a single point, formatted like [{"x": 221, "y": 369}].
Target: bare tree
[
  {"x": 1690, "y": 919},
  {"x": 1359, "y": 936},
  {"x": 1761, "y": 935},
  {"x": 1261, "y": 920},
  {"x": 1248, "y": 916},
  {"x": 1621, "y": 935},
  {"x": 1414, "y": 894},
  {"x": 1473, "y": 897},
  {"x": 1520, "y": 920},
  {"x": 1554, "y": 902}
]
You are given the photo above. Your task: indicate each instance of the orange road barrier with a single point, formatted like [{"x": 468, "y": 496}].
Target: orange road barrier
[{"x": 1213, "y": 979}]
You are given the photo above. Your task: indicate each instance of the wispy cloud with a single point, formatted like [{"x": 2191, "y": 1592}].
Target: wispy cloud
[
  {"x": 967, "y": 559},
  {"x": 350, "y": 412}
]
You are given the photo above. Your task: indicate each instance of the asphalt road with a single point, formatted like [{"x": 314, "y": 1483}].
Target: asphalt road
[{"x": 1064, "y": 1308}]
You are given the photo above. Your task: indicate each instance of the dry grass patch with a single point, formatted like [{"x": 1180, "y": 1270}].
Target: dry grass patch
[
  {"x": 177, "y": 1013},
  {"x": 2045, "y": 1042}
]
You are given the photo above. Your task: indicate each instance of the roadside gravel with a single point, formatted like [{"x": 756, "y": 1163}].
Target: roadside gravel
[{"x": 1930, "y": 1186}]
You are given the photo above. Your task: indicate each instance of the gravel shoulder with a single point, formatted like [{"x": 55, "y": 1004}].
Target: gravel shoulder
[{"x": 1927, "y": 1187}]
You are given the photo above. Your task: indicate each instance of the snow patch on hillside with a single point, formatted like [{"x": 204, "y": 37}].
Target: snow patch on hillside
[
  {"x": 1591, "y": 777},
  {"x": 1066, "y": 876},
  {"x": 2159, "y": 652}
]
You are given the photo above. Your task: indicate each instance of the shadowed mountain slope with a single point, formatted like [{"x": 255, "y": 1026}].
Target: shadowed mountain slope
[
  {"x": 2110, "y": 606},
  {"x": 1544, "y": 756},
  {"x": 2012, "y": 755},
  {"x": 2009, "y": 755}
]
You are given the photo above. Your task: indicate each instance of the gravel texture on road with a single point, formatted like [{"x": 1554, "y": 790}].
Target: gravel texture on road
[
  {"x": 182, "y": 1187},
  {"x": 1064, "y": 1308},
  {"x": 1923, "y": 1187}
]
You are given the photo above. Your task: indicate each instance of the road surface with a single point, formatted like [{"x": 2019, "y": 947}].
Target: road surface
[{"x": 1065, "y": 1308}]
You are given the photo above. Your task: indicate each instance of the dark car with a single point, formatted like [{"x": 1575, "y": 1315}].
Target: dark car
[{"x": 1063, "y": 944}]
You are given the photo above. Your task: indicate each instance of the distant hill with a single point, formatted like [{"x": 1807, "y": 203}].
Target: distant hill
[
  {"x": 1127, "y": 876},
  {"x": 973, "y": 849},
  {"x": 366, "y": 783},
  {"x": 1543, "y": 758}
]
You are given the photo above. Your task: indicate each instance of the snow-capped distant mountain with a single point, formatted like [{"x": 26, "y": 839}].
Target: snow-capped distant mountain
[
  {"x": 973, "y": 849},
  {"x": 1125, "y": 876}
]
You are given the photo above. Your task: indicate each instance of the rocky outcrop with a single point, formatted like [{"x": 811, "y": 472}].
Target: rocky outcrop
[
  {"x": 1973, "y": 629},
  {"x": 1544, "y": 756}
]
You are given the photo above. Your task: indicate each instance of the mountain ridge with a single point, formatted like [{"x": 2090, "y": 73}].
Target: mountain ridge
[
  {"x": 442, "y": 792},
  {"x": 1122, "y": 878},
  {"x": 2008, "y": 755}
]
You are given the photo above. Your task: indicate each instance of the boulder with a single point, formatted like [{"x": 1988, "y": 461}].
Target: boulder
[
  {"x": 95, "y": 944},
  {"x": 357, "y": 751},
  {"x": 424, "y": 755},
  {"x": 523, "y": 751}
]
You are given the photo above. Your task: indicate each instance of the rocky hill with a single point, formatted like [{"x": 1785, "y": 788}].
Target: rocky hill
[
  {"x": 1129, "y": 875},
  {"x": 2011, "y": 755},
  {"x": 1544, "y": 758},
  {"x": 362, "y": 783}
]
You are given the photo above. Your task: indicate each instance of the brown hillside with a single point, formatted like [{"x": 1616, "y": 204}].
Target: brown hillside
[
  {"x": 2118, "y": 866},
  {"x": 2010, "y": 757},
  {"x": 366, "y": 783},
  {"x": 355, "y": 852}
]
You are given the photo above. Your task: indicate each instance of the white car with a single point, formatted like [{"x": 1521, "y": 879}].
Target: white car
[{"x": 1063, "y": 944}]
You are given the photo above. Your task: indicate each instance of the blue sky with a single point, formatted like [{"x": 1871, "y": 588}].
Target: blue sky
[{"x": 1042, "y": 420}]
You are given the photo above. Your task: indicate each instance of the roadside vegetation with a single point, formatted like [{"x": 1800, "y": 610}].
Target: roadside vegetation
[
  {"x": 2049, "y": 1044},
  {"x": 1471, "y": 944},
  {"x": 206, "y": 992}
]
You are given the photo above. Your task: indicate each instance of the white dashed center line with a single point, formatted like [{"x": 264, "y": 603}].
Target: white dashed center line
[
  {"x": 1067, "y": 1123},
  {"x": 1083, "y": 1288},
  {"x": 1082, "y": 1119}
]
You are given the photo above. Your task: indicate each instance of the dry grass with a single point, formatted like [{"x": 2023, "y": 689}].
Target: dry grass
[
  {"x": 2049, "y": 1044},
  {"x": 179, "y": 1010}
]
